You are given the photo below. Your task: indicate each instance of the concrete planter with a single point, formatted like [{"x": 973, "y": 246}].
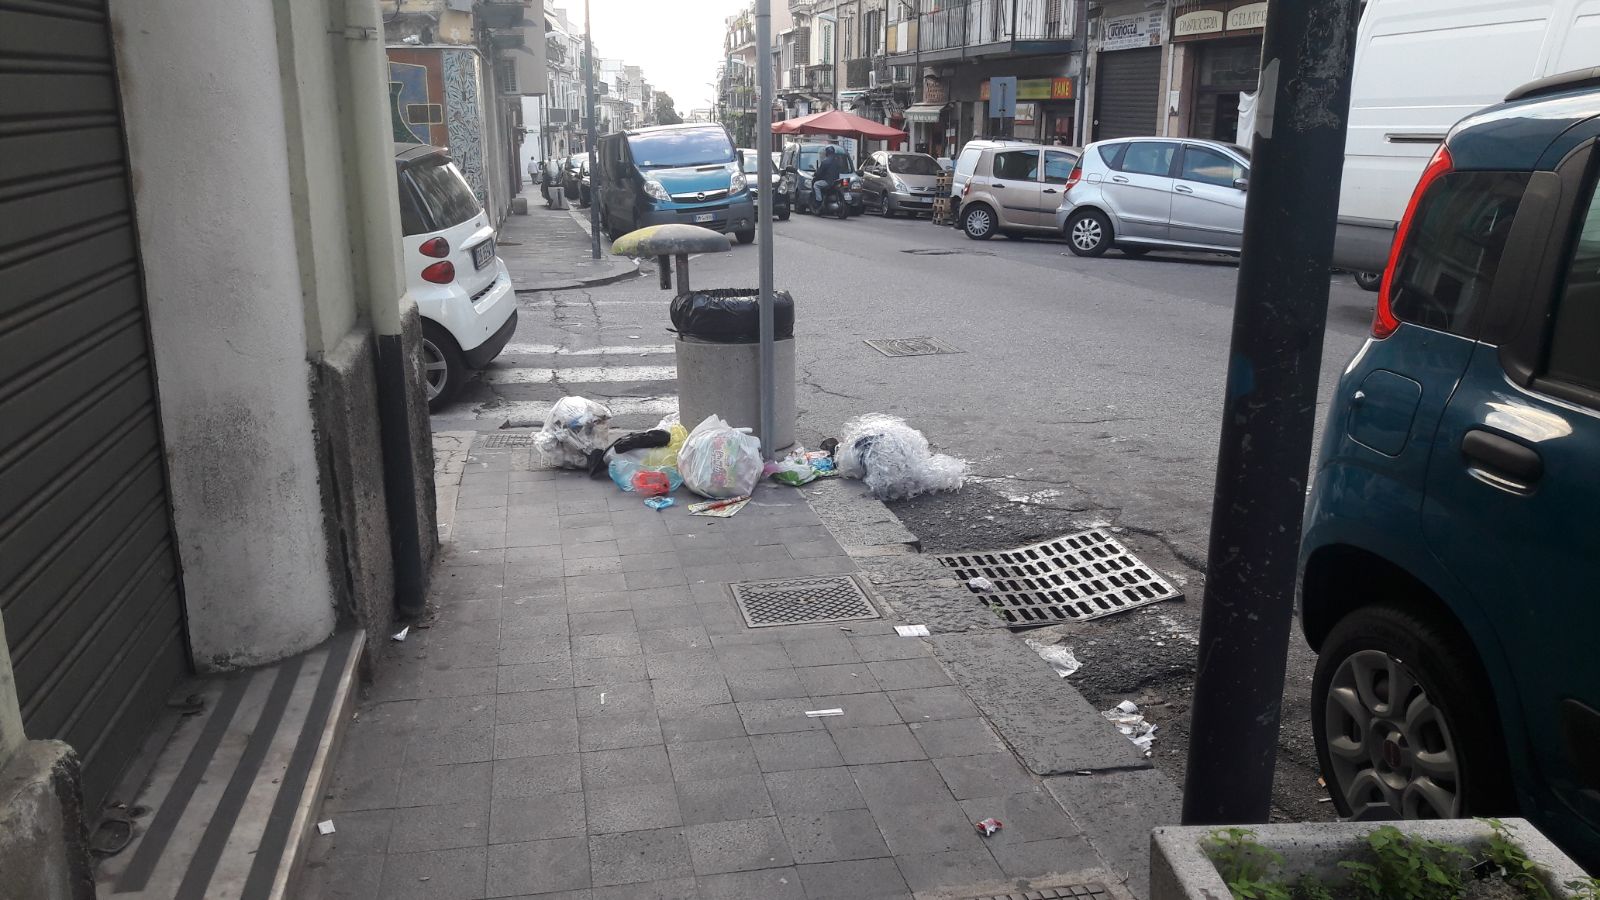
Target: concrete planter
[{"x": 1180, "y": 869}]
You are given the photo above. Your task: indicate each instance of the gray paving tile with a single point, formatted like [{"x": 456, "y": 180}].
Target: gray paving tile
[
  {"x": 707, "y": 723},
  {"x": 956, "y": 737},
  {"x": 654, "y": 618},
  {"x": 689, "y": 694},
  {"x": 538, "y": 817},
  {"x": 682, "y": 664},
  {"x": 635, "y": 856},
  {"x": 617, "y": 732},
  {"x": 648, "y": 562},
  {"x": 607, "y": 601},
  {"x": 719, "y": 575},
  {"x": 885, "y": 785},
  {"x": 593, "y": 584},
  {"x": 770, "y": 684},
  {"x": 532, "y": 677},
  {"x": 364, "y": 788},
  {"x": 864, "y": 879},
  {"x": 814, "y": 549},
  {"x": 602, "y": 622},
  {"x": 673, "y": 640},
  {"x": 704, "y": 760},
  {"x": 860, "y": 710},
  {"x": 668, "y": 889},
  {"x": 544, "y": 738},
  {"x": 571, "y": 536},
  {"x": 436, "y": 785},
  {"x": 832, "y": 836},
  {"x": 933, "y": 704},
  {"x": 765, "y": 884},
  {"x": 877, "y": 744},
  {"x": 1029, "y": 815},
  {"x": 534, "y": 706},
  {"x": 352, "y": 877},
  {"x": 457, "y": 683},
  {"x": 607, "y": 670},
  {"x": 544, "y": 557},
  {"x": 360, "y": 833},
  {"x": 951, "y": 870},
  {"x": 813, "y": 790},
  {"x": 877, "y": 648},
  {"x": 777, "y": 716},
  {"x": 538, "y": 867},
  {"x": 547, "y": 650},
  {"x": 589, "y": 549},
  {"x": 528, "y": 776},
  {"x": 584, "y": 513},
  {"x": 902, "y": 674},
  {"x": 628, "y": 698},
  {"x": 594, "y": 565},
  {"x": 985, "y": 775},
  {"x": 753, "y": 658},
  {"x": 737, "y": 846},
  {"x": 595, "y": 646},
  {"x": 723, "y": 799},
  {"x": 435, "y": 875},
  {"x": 795, "y": 750},
  {"x": 827, "y": 651},
  {"x": 654, "y": 578},
  {"x": 1042, "y": 859},
  {"x": 620, "y": 768},
  {"x": 453, "y": 744},
  {"x": 446, "y": 827},
  {"x": 458, "y": 653},
  {"x": 633, "y": 808},
  {"x": 928, "y": 828}
]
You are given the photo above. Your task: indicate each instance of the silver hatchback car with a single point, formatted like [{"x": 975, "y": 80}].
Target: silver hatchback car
[{"x": 1139, "y": 194}]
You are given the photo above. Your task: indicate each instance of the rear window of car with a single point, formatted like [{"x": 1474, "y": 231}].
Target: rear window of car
[
  {"x": 1575, "y": 339},
  {"x": 444, "y": 196},
  {"x": 1016, "y": 165},
  {"x": 812, "y": 154},
  {"x": 968, "y": 161},
  {"x": 1452, "y": 251},
  {"x": 1111, "y": 154}
]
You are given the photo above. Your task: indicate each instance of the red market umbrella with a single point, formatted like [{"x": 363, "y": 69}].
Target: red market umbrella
[{"x": 840, "y": 123}]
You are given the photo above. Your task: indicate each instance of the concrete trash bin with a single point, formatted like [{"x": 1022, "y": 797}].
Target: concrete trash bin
[{"x": 725, "y": 380}]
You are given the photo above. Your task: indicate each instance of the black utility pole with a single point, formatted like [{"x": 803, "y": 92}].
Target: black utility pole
[
  {"x": 1280, "y": 312},
  {"x": 594, "y": 169}
]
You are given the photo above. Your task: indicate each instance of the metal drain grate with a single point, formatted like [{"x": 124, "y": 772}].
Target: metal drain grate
[
  {"x": 1072, "y": 578},
  {"x": 491, "y": 441},
  {"x": 795, "y": 601},
  {"x": 917, "y": 346},
  {"x": 1068, "y": 892}
]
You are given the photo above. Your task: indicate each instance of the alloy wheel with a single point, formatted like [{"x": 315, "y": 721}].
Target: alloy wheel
[
  {"x": 1391, "y": 749},
  {"x": 979, "y": 221},
  {"x": 435, "y": 370},
  {"x": 1087, "y": 233}
]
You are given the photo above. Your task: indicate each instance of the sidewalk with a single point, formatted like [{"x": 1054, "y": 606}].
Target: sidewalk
[
  {"x": 588, "y": 715},
  {"x": 546, "y": 250}
]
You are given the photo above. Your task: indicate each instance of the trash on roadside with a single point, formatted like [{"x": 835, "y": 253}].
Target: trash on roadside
[
  {"x": 1131, "y": 723},
  {"x": 574, "y": 428},
  {"x": 980, "y": 584},
  {"x": 819, "y": 713},
  {"x": 911, "y": 630},
  {"x": 800, "y": 467},
  {"x": 1060, "y": 658},
  {"x": 719, "y": 461},
  {"x": 632, "y": 446},
  {"x": 720, "y": 509},
  {"x": 659, "y": 503},
  {"x": 988, "y": 826},
  {"x": 893, "y": 459},
  {"x": 325, "y": 826},
  {"x": 647, "y": 480},
  {"x": 401, "y": 634}
]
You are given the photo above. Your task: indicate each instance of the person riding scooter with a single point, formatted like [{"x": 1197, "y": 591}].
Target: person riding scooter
[{"x": 829, "y": 168}]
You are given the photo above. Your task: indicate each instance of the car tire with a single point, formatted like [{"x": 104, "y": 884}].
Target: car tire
[
  {"x": 887, "y": 211},
  {"x": 1088, "y": 233},
  {"x": 783, "y": 214},
  {"x": 443, "y": 367},
  {"x": 745, "y": 237},
  {"x": 978, "y": 221},
  {"x": 1368, "y": 281},
  {"x": 1448, "y": 713}
]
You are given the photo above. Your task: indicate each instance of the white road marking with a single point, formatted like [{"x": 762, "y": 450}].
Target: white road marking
[
  {"x": 525, "y": 411},
  {"x": 553, "y": 350},
  {"x": 580, "y": 375}
]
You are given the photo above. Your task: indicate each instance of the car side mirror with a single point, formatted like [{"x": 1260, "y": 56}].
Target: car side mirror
[{"x": 1242, "y": 184}]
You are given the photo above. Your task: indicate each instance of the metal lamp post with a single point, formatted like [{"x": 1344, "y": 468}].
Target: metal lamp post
[{"x": 768, "y": 364}]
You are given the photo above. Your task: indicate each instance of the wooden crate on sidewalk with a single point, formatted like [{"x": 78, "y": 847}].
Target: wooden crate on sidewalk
[{"x": 941, "y": 202}]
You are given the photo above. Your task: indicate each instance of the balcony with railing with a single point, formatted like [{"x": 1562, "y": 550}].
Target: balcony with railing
[
  {"x": 820, "y": 78},
  {"x": 795, "y": 78},
  {"x": 857, "y": 73},
  {"x": 742, "y": 100},
  {"x": 995, "y": 26}
]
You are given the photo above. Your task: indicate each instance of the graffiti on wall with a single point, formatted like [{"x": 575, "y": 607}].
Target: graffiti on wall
[
  {"x": 463, "y": 118},
  {"x": 435, "y": 98}
]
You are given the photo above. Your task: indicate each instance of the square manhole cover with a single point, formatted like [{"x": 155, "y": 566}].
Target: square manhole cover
[
  {"x": 1070, "y": 579},
  {"x": 492, "y": 441},
  {"x": 796, "y": 601},
  {"x": 1067, "y": 892},
  {"x": 917, "y": 346}
]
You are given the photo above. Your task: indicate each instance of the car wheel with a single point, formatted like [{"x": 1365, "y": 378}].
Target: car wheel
[
  {"x": 1404, "y": 722},
  {"x": 745, "y": 237},
  {"x": 1369, "y": 281},
  {"x": 978, "y": 222},
  {"x": 443, "y": 369},
  {"x": 1088, "y": 233},
  {"x": 1134, "y": 251},
  {"x": 783, "y": 214}
]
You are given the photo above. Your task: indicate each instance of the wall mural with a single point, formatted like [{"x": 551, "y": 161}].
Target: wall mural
[
  {"x": 416, "y": 95},
  {"x": 463, "y": 118}
]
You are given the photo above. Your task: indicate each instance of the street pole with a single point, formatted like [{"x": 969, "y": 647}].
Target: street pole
[
  {"x": 769, "y": 375},
  {"x": 833, "y": 70},
  {"x": 1280, "y": 313},
  {"x": 594, "y": 169}
]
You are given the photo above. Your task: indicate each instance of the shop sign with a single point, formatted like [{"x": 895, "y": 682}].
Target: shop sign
[
  {"x": 1027, "y": 113},
  {"x": 1132, "y": 32},
  {"x": 1061, "y": 89},
  {"x": 1251, "y": 15},
  {"x": 1205, "y": 21},
  {"x": 933, "y": 91},
  {"x": 1033, "y": 88}
]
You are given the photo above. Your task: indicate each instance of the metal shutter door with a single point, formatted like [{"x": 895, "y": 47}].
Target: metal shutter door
[
  {"x": 88, "y": 574},
  {"x": 1127, "y": 93}
]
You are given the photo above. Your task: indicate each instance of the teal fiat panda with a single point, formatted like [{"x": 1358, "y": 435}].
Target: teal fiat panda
[
  {"x": 686, "y": 173},
  {"x": 1450, "y": 569}
]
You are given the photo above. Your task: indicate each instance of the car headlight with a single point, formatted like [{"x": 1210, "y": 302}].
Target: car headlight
[
  {"x": 654, "y": 190},
  {"x": 736, "y": 182},
  {"x": 899, "y": 185}
]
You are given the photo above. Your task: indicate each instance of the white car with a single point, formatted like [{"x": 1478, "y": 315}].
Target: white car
[{"x": 462, "y": 288}]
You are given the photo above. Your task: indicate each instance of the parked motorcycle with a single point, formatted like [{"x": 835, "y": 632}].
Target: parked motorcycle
[{"x": 838, "y": 198}]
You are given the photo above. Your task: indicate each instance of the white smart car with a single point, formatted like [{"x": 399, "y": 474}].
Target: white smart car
[{"x": 462, "y": 289}]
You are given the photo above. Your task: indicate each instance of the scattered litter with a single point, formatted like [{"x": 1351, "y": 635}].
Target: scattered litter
[
  {"x": 659, "y": 502},
  {"x": 325, "y": 826},
  {"x": 801, "y": 467},
  {"x": 1321, "y": 782},
  {"x": 602, "y": 698},
  {"x": 720, "y": 461},
  {"x": 1324, "y": 799},
  {"x": 633, "y": 337},
  {"x": 1060, "y": 658},
  {"x": 401, "y": 634},
  {"x": 980, "y": 584},
  {"x": 894, "y": 460},
  {"x": 819, "y": 713},
  {"x": 574, "y": 428},
  {"x": 720, "y": 509},
  {"x": 987, "y": 826},
  {"x": 1131, "y": 723},
  {"x": 911, "y": 630}
]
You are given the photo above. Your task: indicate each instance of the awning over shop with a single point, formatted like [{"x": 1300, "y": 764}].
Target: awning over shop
[{"x": 923, "y": 112}]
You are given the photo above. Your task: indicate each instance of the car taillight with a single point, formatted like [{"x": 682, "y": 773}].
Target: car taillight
[
  {"x": 1384, "y": 321},
  {"x": 438, "y": 248},
  {"x": 1075, "y": 175},
  {"x": 966, "y": 189},
  {"x": 440, "y": 272}
]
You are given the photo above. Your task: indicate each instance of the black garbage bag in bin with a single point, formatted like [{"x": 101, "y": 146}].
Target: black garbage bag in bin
[{"x": 730, "y": 315}]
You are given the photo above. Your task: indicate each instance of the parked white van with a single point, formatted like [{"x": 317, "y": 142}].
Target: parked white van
[{"x": 1420, "y": 67}]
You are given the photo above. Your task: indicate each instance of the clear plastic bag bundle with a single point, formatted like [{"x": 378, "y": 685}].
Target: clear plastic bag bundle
[
  {"x": 574, "y": 427},
  {"x": 720, "y": 461},
  {"x": 894, "y": 459}
]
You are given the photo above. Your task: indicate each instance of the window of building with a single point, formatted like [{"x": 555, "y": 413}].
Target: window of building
[{"x": 848, "y": 33}]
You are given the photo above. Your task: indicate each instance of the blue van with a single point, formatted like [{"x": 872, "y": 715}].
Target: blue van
[
  {"x": 673, "y": 173},
  {"x": 1450, "y": 568}
]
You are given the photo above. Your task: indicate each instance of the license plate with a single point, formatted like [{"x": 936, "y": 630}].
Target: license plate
[
  {"x": 483, "y": 253},
  {"x": 849, "y": 197},
  {"x": 703, "y": 217}
]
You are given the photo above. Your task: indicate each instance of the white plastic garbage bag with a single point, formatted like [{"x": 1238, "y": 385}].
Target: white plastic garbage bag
[
  {"x": 573, "y": 428},
  {"x": 720, "y": 461},
  {"x": 894, "y": 459}
]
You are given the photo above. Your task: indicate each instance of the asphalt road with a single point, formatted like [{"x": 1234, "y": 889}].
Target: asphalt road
[{"x": 1087, "y": 392}]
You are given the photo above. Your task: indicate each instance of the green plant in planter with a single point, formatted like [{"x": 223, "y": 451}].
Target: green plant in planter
[
  {"x": 1406, "y": 867},
  {"x": 1246, "y": 866}
]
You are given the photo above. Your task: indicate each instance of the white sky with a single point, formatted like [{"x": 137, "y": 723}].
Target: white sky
[{"x": 678, "y": 43}]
